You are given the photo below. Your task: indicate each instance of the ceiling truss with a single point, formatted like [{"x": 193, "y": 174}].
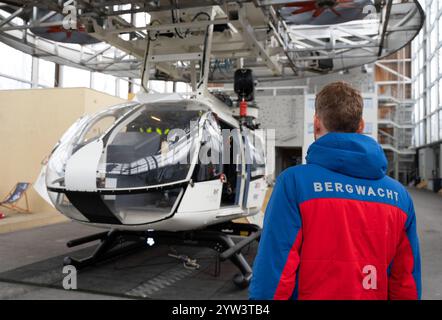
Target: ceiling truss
[{"x": 245, "y": 33}]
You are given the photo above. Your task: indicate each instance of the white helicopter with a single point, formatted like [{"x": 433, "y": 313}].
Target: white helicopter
[
  {"x": 164, "y": 169},
  {"x": 136, "y": 169},
  {"x": 149, "y": 169}
]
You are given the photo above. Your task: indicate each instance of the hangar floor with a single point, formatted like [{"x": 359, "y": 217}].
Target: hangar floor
[{"x": 31, "y": 265}]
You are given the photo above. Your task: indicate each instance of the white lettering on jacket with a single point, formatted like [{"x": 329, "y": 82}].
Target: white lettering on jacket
[{"x": 357, "y": 189}]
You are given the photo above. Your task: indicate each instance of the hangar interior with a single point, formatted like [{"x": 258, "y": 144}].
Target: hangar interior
[{"x": 62, "y": 60}]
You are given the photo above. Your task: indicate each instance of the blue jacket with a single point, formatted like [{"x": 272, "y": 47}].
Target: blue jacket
[{"x": 338, "y": 228}]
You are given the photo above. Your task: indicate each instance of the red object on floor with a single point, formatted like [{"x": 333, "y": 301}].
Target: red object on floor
[{"x": 2, "y": 215}]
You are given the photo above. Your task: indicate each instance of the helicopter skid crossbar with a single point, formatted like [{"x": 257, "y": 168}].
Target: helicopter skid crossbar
[{"x": 116, "y": 243}]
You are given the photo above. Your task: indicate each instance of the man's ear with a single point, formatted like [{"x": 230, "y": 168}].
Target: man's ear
[
  {"x": 317, "y": 127},
  {"x": 361, "y": 126}
]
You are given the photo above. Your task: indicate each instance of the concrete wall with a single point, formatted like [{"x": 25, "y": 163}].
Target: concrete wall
[
  {"x": 284, "y": 111},
  {"x": 285, "y": 114},
  {"x": 31, "y": 123},
  {"x": 362, "y": 81}
]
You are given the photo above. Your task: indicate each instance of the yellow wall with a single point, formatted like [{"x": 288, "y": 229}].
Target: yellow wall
[{"x": 31, "y": 123}]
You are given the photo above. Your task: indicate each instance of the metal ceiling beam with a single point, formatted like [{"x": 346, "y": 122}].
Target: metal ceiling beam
[{"x": 250, "y": 38}]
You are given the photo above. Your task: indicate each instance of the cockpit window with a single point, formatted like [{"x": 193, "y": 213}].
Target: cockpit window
[
  {"x": 98, "y": 128},
  {"x": 83, "y": 131},
  {"x": 209, "y": 165},
  {"x": 151, "y": 147},
  {"x": 255, "y": 157}
]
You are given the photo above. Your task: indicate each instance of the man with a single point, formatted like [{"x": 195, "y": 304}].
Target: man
[{"x": 338, "y": 227}]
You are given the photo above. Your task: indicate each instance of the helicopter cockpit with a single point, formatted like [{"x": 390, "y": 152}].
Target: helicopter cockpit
[{"x": 131, "y": 164}]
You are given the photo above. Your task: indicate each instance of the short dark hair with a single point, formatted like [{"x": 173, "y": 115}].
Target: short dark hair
[{"x": 340, "y": 107}]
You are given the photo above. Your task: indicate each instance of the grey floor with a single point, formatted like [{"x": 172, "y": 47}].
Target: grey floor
[
  {"x": 428, "y": 208},
  {"x": 31, "y": 265}
]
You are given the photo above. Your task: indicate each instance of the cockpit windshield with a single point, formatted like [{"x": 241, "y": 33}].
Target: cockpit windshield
[
  {"x": 153, "y": 146},
  {"x": 143, "y": 145},
  {"x": 85, "y": 130}
]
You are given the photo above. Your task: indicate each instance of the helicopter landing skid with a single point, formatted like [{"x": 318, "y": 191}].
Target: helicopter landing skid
[{"x": 116, "y": 243}]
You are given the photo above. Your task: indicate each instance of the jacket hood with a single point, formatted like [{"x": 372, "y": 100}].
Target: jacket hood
[{"x": 351, "y": 154}]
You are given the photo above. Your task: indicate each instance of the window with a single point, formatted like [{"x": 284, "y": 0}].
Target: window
[
  {"x": 98, "y": 128},
  {"x": 368, "y": 103},
  {"x": 440, "y": 124},
  {"x": 368, "y": 129},
  {"x": 183, "y": 87},
  {"x": 434, "y": 128},
  {"x": 6, "y": 83},
  {"x": 123, "y": 88},
  {"x": 151, "y": 146},
  {"x": 422, "y": 133},
  {"x": 46, "y": 73},
  {"x": 434, "y": 69},
  {"x": 434, "y": 102},
  {"x": 210, "y": 157},
  {"x": 255, "y": 158},
  {"x": 157, "y": 86},
  {"x": 422, "y": 108},
  {"x": 311, "y": 104},
  {"x": 104, "y": 83},
  {"x": 75, "y": 78},
  {"x": 15, "y": 63}
]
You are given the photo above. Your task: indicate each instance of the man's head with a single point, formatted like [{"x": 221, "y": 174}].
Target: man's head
[{"x": 338, "y": 108}]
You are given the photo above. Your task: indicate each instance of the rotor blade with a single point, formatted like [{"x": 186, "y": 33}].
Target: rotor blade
[
  {"x": 345, "y": 4},
  {"x": 318, "y": 12},
  {"x": 302, "y": 4},
  {"x": 302, "y": 10},
  {"x": 335, "y": 12}
]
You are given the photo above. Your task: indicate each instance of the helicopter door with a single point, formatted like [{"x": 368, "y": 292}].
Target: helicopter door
[
  {"x": 255, "y": 184},
  {"x": 233, "y": 186}
]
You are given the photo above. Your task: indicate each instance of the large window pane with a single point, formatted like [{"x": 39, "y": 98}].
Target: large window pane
[
  {"x": 123, "y": 88},
  {"x": 440, "y": 124},
  {"x": 183, "y": 87},
  {"x": 434, "y": 102},
  {"x": 103, "y": 82},
  {"x": 434, "y": 128},
  {"x": 6, "y": 83},
  {"x": 157, "y": 86},
  {"x": 46, "y": 73},
  {"x": 15, "y": 63},
  {"x": 74, "y": 77}
]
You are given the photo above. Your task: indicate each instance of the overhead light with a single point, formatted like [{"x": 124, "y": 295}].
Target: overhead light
[{"x": 155, "y": 118}]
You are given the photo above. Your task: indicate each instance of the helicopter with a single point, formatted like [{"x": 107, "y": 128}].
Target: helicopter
[
  {"x": 181, "y": 169},
  {"x": 165, "y": 169},
  {"x": 147, "y": 165}
]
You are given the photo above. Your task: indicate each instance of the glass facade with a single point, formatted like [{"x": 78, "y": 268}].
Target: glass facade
[
  {"x": 427, "y": 77},
  {"x": 19, "y": 70}
]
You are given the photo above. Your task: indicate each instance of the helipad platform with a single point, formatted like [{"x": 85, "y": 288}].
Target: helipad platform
[{"x": 34, "y": 270}]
